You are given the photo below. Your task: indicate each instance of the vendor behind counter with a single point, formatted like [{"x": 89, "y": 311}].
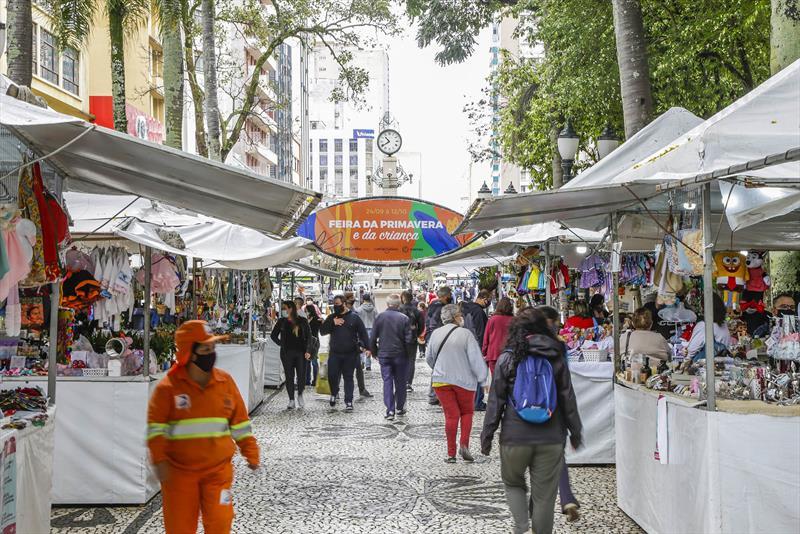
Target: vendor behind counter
[{"x": 642, "y": 340}]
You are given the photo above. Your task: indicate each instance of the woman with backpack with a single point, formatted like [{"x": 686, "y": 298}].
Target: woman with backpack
[
  {"x": 533, "y": 404},
  {"x": 458, "y": 370},
  {"x": 293, "y": 335}
]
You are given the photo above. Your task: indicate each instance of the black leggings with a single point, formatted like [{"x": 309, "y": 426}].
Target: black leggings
[{"x": 294, "y": 362}]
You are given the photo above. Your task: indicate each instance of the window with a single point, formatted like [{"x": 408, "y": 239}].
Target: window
[
  {"x": 48, "y": 57},
  {"x": 70, "y": 68},
  {"x": 156, "y": 63},
  {"x": 338, "y": 160},
  {"x": 158, "y": 106},
  {"x": 353, "y": 145},
  {"x": 339, "y": 182},
  {"x": 323, "y": 180},
  {"x": 338, "y": 145},
  {"x": 353, "y": 160},
  {"x": 273, "y": 172},
  {"x": 323, "y": 160},
  {"x": 323, "y": 145},
  {"x": 353, "y": 182},
  {"x": 35, "y": 49}
]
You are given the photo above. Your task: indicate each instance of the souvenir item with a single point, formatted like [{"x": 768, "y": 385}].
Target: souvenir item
[
  {"x": 730, "y": 270},
  {"x": 758, "y": 280}
]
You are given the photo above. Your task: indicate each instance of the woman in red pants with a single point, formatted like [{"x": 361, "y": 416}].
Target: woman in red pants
[{"x": 458, "y": 370}]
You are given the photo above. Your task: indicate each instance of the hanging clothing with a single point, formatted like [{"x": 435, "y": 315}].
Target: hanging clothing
[{"x": 17, "y": 240}]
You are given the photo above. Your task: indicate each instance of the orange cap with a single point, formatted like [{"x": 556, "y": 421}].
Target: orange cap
[{"x": 187, "y": 335}]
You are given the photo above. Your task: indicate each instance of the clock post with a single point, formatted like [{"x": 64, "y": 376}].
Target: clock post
[{"x": 389, "y": 142}]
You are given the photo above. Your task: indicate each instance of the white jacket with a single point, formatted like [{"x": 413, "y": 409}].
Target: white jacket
[{"x": 460, "y": 363}]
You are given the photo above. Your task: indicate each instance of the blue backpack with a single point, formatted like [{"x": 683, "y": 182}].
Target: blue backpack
[{"x": 534, "y": 395}]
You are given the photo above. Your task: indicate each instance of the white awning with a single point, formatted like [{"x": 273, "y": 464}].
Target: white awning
[{"x": 98, "y": 160}]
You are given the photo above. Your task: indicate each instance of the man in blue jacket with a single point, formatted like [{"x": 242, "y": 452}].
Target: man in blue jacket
[
  {"x": 391, "y": 337},
  {"x": 348, "y": 336}
]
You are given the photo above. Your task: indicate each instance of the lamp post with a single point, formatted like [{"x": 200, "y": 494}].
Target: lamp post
[
  {"x": 607, "y": 142},
  {"x": 568, "y": 148}
]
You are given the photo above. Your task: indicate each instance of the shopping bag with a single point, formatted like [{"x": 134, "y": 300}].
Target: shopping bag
[{"x": 323, "y": 386}]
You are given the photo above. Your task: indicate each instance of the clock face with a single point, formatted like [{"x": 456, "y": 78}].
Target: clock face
[{"x": 389, "y": 142}]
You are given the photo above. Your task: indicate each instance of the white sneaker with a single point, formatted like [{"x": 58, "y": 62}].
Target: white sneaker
[
  {"x": 300, "y": 402},
  {"x": 291, "y": 405}
]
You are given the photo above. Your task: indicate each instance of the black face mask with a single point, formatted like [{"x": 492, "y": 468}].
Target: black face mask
[
  {"x": 784, "y": 313},
  {"x": 206, "y": 361},
  {"x": 338, "y": 309}
]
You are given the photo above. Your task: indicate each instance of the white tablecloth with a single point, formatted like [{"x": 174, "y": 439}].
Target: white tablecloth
[
  {"x": 594, "y": 390},
  {"x": 245, "y": 363},
  {"x": 726, "y": 473}
]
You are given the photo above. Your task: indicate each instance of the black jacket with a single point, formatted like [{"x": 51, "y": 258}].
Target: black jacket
[
  {"x": 348, "y": 338},
  {"x": 283, "y": 336},
  {"x": 391, "y": 335},
  {"x": 434, "y": 320},
  {"x": 515, "y": 430},
  {"x": 475, "y": 320},
  {"x": 415, "y": 318}
]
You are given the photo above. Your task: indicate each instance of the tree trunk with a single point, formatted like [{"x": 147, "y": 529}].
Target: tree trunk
[
  {"x": 784, "y": 37},
  {"x": 634, "y": 73},
  {"x": 191, "y": 75},
  {"x": 210, "y": 80},
  {"x": 20, "y": 41},
  {"x": 117, "y": 31},
  {"x": 558, "y": 172},
  {"x": 173, "y": 85}
]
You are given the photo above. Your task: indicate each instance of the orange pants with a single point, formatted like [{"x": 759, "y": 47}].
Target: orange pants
[{"x": 187, "y": 494}]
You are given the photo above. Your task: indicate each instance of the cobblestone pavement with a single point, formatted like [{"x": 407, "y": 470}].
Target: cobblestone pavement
[{"x": 328, "y": 471}]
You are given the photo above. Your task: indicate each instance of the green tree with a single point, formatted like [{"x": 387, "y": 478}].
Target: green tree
[
  {"x": 785, "y": 35},
  {"x": 169, "y": 18},
  {"x": 72, "y": 22},
  {"x": 634, "y": 70},
  {"x": 211, "y": 102}
]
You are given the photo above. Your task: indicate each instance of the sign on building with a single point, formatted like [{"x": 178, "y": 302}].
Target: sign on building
[
  {"x": 363, "y": 134},
  {"x": 385, "y": 230}
]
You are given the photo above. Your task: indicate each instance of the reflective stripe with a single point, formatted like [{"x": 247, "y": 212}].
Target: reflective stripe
[
  {"x": 241, "y": 431},
  {"x": 204, "y": 427},
  {"x": 156, "y": 429}
]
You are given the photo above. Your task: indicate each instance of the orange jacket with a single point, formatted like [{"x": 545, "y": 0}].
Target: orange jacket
[{"x": 195, "y": 428}]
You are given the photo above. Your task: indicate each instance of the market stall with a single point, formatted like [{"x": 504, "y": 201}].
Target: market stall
[{"x": 711, "y": 203}]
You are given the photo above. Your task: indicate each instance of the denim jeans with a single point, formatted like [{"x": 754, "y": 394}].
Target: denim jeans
[{"x": 394, "y": 373}]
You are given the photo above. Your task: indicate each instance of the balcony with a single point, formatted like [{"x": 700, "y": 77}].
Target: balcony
[{"x": 266, "y": 118}]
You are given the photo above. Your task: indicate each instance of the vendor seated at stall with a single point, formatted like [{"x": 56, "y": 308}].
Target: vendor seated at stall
[
  {"x": 783, "y": 305},
  {"x": 642, "y": 340},
  {"x": 582, "y": 318},
  {"x": 721, "y": 334}
]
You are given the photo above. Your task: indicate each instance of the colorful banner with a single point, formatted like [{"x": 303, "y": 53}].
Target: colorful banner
[{"x": 385, "y": 230}]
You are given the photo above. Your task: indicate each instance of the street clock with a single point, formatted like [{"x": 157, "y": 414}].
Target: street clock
[{"x": 389, "y": 142}]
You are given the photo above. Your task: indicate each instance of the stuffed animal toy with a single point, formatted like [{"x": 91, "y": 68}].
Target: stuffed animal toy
[
  {"x": 758, "y": 280},
  {"x": 730, "y": 270}
]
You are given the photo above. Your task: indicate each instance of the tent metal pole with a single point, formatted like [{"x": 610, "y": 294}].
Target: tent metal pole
[
  {"x": 548, "y": 268},
  {"x": 615, "y": 289},
  {"x": 194, "y": 289},
  {"x": 55, "y": 301},
  {"x": 292, "y": 291},
  {"x": 708, "y": 296},
  {"x": 250, "y": 313},
  {"x": 148, "y": 270}
]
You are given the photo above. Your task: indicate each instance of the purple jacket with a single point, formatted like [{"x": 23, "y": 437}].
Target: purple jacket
[{"x": 391, "y": 334}]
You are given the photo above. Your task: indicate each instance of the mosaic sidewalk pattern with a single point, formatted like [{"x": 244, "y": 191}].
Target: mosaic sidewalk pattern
[{"x": 327, "y": 471}]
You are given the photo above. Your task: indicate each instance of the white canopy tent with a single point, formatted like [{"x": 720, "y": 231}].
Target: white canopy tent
[
  {"x": 94, "y": 159},
  {"x": 757, "y": 136},
  {"x": 229, "y": 245}
]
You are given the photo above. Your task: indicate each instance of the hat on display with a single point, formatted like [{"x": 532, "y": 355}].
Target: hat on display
[{"x": 677, "y": 314}]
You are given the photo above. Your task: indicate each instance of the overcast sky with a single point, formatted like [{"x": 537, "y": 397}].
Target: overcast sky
[{"x": 427, "y": 101}]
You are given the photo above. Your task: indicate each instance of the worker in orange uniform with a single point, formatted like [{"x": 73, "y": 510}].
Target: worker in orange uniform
[{"x": 196, "y": 415}]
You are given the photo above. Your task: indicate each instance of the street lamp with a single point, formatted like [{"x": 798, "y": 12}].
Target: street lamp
[
  {"x": 607, "y": 142},
  {"x": 568, "y": 148}
]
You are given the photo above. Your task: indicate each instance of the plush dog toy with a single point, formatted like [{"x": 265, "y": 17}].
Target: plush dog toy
[
  {"x": 730, "y": 270},
  {"x": 758, "y": 280}
]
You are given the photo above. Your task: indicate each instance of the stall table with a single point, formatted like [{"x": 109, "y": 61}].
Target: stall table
[
  {"x": 274, "y": 377},
  {"x": 719, "y": 472},
  {"x": 245, "y": 363},
  {"x": 100, "y": 454},
  {"x": 594, "y": 389}
]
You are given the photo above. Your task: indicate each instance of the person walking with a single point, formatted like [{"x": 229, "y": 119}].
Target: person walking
[
  {"x": 458, "y": 370},
  {"x": 347, "y": 337},
  {"x": 444, "y": 296},
  {"x": 423, "y": 310},
  {"x": 195, "y": 420},
  {"x": 475, "y": 320},
  {"x": 417, "y": 323},
  {"x": 293, "y": 335},
  {"x": 314, "y": 322},
  {"x": 368, "y": 313},
  {"x": 494, "y": 340},
  {"x": 391, "y": 337},
  {"x": 350, "y": 302},
  {"x": 537, "y": 448}
]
